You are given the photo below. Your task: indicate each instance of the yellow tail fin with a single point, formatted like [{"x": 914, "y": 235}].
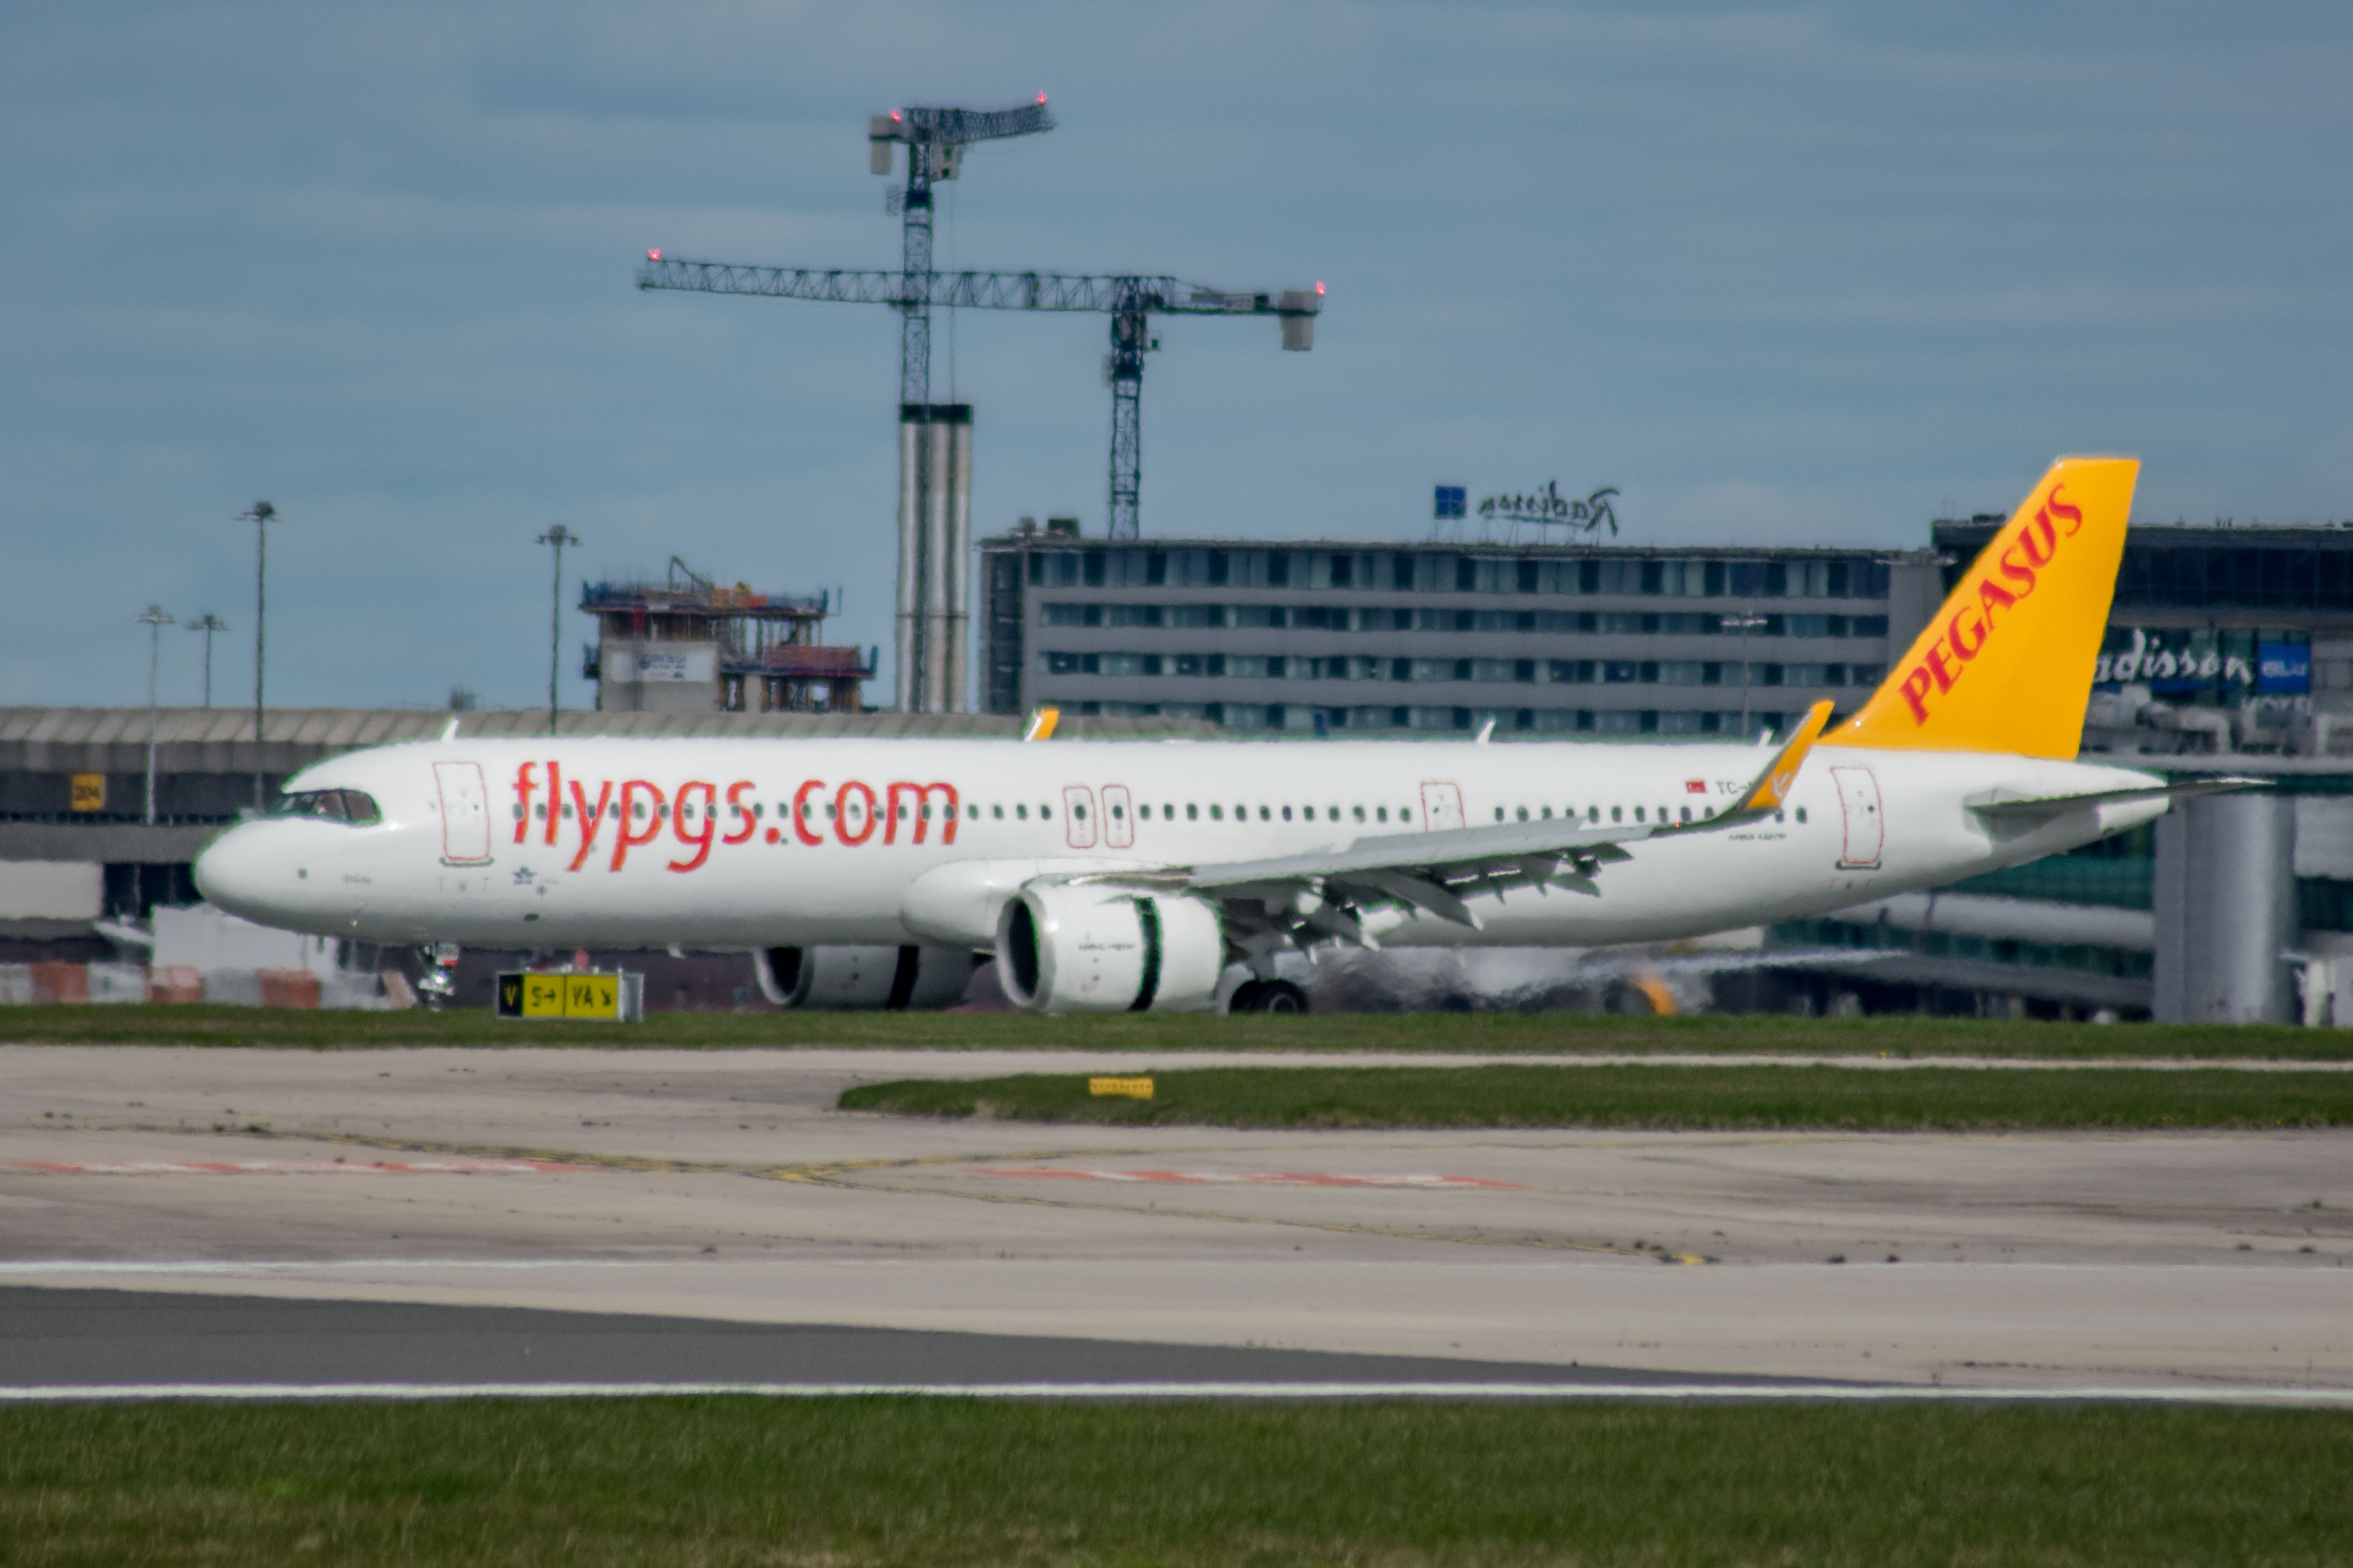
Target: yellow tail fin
[{"x": 2007, "y": 664}]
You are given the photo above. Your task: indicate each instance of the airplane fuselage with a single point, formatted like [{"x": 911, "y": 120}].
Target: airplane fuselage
[{"x": 745, "y": 843}]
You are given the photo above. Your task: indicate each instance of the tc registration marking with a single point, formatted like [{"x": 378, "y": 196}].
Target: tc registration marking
[
  {"x": 1253, "y": 1178},
  {"x": 296, "y": 1168}
]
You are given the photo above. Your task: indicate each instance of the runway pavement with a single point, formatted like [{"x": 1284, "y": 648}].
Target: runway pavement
[{"x": 650, "y": 1187}]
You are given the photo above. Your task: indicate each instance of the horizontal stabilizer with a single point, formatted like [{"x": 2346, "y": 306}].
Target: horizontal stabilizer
[{"x": 2017, "y": 804}]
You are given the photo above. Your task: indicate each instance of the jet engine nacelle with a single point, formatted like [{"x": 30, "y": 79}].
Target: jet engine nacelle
[
  {"x": 917, "y": 977},
  {"x": 1095, "y": 948}
]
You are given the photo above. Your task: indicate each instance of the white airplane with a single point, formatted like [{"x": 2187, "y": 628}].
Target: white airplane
[{"x": 1114, "y": 877}]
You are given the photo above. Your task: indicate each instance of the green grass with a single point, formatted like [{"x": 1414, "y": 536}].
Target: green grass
[
  {"x": 1842, "y": 1097},
  {"x": 1505, "y": 1033},
  {"x": 714, "y": 1482}
]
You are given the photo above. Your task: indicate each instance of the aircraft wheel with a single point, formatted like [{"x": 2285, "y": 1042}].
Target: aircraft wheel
[{"x": 1268, "y": 996}]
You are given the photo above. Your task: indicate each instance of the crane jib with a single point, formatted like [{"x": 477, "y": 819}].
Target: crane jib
[{"x": 975, "y": 291}]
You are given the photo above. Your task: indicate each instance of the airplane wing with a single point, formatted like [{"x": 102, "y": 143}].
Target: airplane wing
[{"x": 1323, "y": 895}]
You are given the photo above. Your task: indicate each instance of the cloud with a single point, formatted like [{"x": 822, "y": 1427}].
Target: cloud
[{"x": 1798, "y": 271}]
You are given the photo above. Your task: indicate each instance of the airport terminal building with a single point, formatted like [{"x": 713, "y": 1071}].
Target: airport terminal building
[{"x": 1329, "y": 636}]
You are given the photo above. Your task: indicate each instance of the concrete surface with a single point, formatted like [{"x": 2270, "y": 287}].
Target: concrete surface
[{"x": 723, "y": 1186}]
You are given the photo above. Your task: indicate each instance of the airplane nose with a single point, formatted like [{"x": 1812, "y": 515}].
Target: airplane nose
[{"x": 234, "y": 872}]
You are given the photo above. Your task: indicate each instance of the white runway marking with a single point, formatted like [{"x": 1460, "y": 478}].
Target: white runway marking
[
  {"x": 1249, "y": 1178},
  {"x": 1882, "y": 1393},
  {"x": 439, "y": 1167}
]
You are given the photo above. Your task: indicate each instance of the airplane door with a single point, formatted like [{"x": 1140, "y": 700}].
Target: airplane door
[
  {"x": 1079, "y": 815},
  {"x": 1119, "y": 818},
  {"x": 465, "y": 813},
  {"x": 1866, "y": 827},
  {"x": 1441, "y": 806}
]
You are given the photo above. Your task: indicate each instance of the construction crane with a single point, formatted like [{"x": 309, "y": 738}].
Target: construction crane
[
  {"x": 936, "y": 440},
  {"x": 1131, "y": 301},
  {"x": 936, "y": 140}
]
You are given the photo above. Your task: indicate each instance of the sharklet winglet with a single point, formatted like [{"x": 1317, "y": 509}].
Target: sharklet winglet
[{"x": 1772, "y": 786}]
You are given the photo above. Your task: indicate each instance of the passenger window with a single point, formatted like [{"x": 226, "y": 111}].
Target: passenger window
[
  {"x": 1638, "y": 813},
  {"x": 1360, "y": 813},
  {"x": 997, "y": 812},
  {"x": 1686, "y": 813},
  {"x": 1286, "y": 813},
  {"x": 1382, "y": 812},
  {"x": 1617, "y": 814},
  {"x": 1801, "y": 813},
  {"x": 567, "y": 813},
  {"x": 1266, "y": 816},
  {"x": 539, "y": 811},
  {"x": 1193, "y": 813},
  {"x": 1777, "y": 816},
  {"x": 1216, "y": 813},
  {"x": 1117, "y": 813},
  {"x": 1045, "y": 814},
  {"x": 1499, "y": 813},
  {"x": 1022, "y": 811},
  {"x": 1523, "y": 813}
]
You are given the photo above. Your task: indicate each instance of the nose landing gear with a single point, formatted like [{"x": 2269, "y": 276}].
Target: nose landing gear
[{"x": 440, "y": 981}]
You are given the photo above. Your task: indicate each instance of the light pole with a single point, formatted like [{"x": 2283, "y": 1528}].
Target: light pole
[
  {"x": 1743, "y": 623},
  {"x": 154, "y": 620},
  {"x": 261, "y": 514},
  {"x": 208, "y": 624},
  {"x": 558, "y": 536}
]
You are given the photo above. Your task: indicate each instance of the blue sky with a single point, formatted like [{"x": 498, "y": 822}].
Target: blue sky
[{"x": 1782, "y": 273}]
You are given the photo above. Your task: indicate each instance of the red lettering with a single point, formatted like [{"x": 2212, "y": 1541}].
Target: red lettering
[
  {"x": 554, "y": 800},
  {"x": 2049, "y": 541},
  {"x": 801, "y": 812},
  {"x": 2017, "y": 571},
  {"x": 2074, "y": 514},
  {"x": 591, "y": 817},
  {"x": 1936, "y": 661},
  {"x": 842, "y": 814},
  {"x": 1915, "y": 692},
  {"x": 709, "y": 817},
  {"x": 1966, "y": 650},
  {"x": 922, "y": 793},
  {"x": 624, "y": 840},
  {"x": 522, "y": 788},
  {"x": 736, "y": 804},
  {"x": 1989, "y": 594}
]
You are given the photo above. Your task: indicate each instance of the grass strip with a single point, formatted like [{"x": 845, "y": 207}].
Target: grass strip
[
  {"x": 1800, "y": 1097},
  {"x": 931, "y": 1484},
  {"x": 1481, "y": 1033}
]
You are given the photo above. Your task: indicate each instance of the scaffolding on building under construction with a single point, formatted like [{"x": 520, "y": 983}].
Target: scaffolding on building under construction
[{"x": 687, "y": 644}]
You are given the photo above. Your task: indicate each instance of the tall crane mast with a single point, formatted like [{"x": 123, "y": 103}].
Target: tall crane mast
[
  {"x": 936, "y": 140},
  {"x": 1130, "y": 299}
]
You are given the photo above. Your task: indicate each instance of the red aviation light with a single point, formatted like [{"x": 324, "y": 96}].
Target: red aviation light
[
  {"x": 1041, "y": 95},
  {"x": 1319, "y": 286},
  {"x": 653, "y": 256}
]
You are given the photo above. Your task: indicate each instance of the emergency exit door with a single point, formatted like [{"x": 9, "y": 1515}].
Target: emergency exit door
[
  {"x": 1865, "y": 825},
  {"x": 1441, "y": 806},
  {"x": 465, "y": 813}
]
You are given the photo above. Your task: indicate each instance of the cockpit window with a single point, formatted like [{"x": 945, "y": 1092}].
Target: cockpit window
[{"x": 335, "y": 804}]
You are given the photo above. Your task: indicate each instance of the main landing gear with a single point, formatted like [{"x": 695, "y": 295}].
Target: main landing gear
[{"x": 1268, "y": 996}]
